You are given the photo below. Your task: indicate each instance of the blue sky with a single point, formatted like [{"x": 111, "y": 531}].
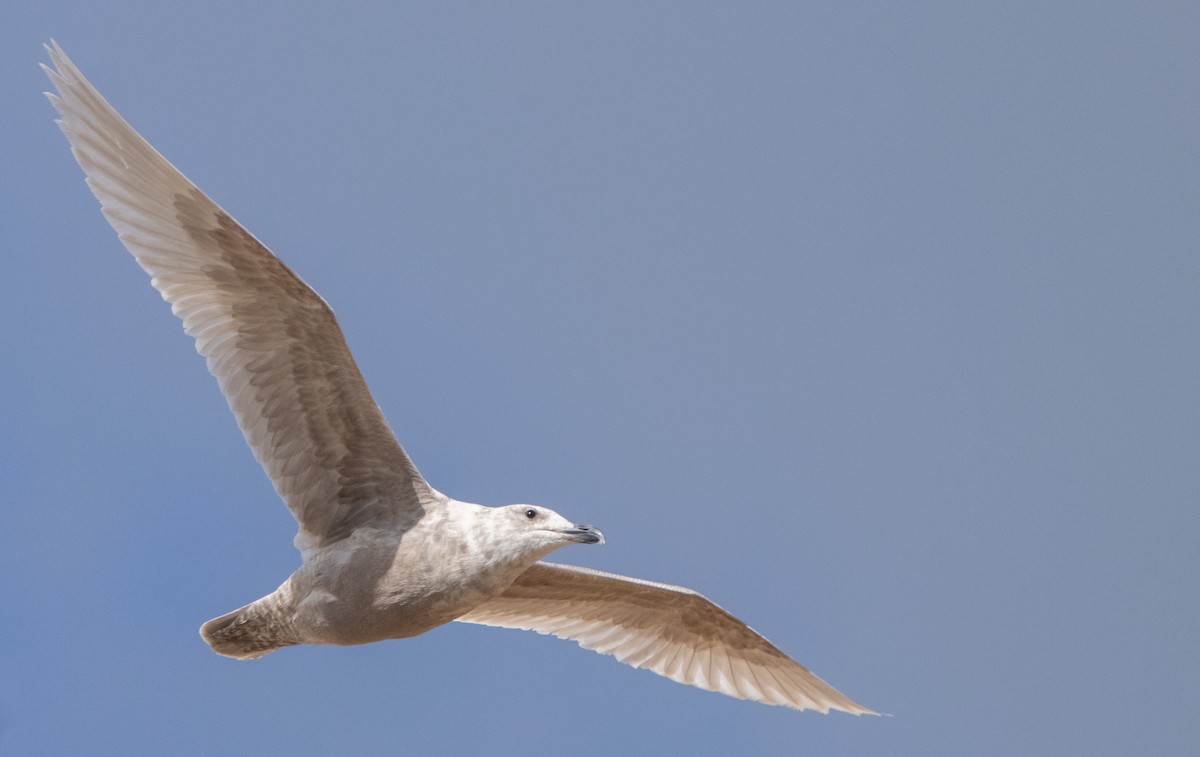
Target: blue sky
[{"x": 876, "y": 324}]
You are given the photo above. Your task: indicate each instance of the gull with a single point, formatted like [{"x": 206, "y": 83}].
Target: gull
[{"x": 384, "y": 554}]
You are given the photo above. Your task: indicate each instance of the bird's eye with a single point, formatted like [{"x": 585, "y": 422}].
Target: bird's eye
[{"x": 531, "y": 513}]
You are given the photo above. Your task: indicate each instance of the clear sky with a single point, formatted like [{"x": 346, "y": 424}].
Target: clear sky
[{"x": 876, "y": 323}]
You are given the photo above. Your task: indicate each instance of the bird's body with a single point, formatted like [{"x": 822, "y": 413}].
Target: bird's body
[
  {"x": 385, "y": 555},
  {"x": 378, "y": 584}
]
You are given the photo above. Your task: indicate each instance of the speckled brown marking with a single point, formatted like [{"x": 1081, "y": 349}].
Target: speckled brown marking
[{"x": 304, "y": 408}]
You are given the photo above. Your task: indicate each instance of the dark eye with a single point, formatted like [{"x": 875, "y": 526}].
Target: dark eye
[{"x": 531, "y": 513}]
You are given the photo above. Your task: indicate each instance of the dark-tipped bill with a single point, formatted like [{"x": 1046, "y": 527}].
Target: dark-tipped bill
[{"x": 583, "y": 534}]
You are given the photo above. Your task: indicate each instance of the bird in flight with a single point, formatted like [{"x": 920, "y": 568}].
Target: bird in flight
[{"x": 384, "y": 554}]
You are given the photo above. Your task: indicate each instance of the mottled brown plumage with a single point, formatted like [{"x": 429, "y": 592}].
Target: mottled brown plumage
[{"x": 384, "y": 554}]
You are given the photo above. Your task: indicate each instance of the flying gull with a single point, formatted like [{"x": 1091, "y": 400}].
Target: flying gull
[{"x": 385, "y": 555}]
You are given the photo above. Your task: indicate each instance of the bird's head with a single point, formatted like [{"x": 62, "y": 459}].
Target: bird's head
[{"x": 540, "y": 530}]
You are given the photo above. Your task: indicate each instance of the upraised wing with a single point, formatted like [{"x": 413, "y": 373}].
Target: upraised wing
[
  {"x": 271, "y": 341},
  {"x": 670, "y": 630}
]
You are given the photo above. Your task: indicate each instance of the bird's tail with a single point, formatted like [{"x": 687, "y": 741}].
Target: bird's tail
[{"x": 248, "y": 632}]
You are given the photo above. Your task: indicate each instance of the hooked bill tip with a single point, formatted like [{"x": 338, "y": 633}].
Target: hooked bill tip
[{"x": 585, "y": 534}]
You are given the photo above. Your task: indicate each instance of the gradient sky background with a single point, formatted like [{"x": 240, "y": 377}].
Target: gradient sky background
[{"x": 876, "y": 324}]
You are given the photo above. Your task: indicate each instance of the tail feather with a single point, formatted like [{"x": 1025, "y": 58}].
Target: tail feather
[{"x": 245, "y": 634}]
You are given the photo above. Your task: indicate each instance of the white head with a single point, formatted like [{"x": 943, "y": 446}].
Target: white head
[{"x": 538, "y": 531}]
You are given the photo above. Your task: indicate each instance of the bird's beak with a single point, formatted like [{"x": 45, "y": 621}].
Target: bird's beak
[{"x": 583, "y": 534}]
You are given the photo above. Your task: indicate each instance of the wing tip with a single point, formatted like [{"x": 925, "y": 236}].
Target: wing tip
[{"x": 57, "y": 57}]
